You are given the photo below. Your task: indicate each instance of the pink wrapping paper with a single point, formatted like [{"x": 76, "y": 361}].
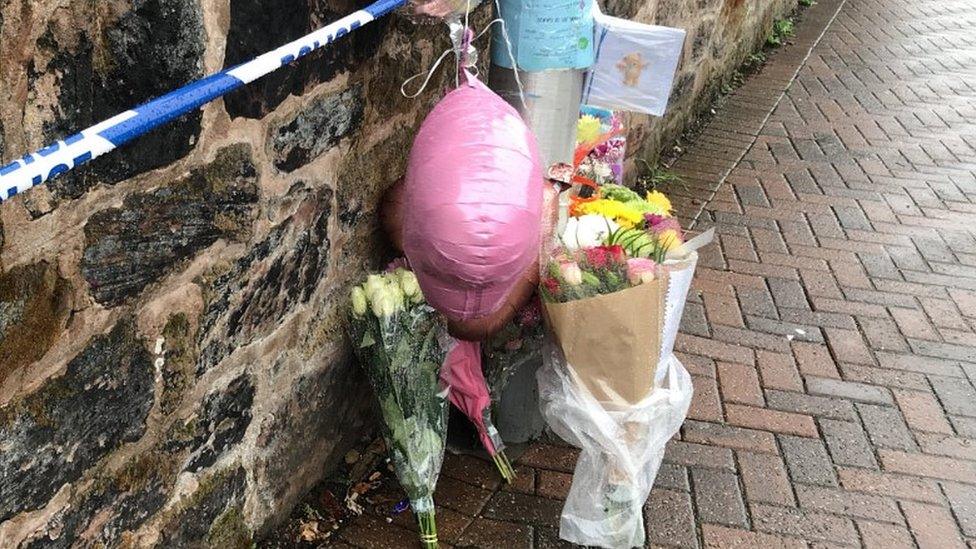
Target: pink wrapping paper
[
  {"x": 473, "y": 202},
  {"x": 469, "y": 390}
]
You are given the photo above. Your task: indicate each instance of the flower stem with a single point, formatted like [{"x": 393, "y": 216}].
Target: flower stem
[
  {"x": 428, "y": 530},
  {"x": 504, "y": 466}
]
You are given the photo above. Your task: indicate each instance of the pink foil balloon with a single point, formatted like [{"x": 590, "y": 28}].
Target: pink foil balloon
[{"x": 473, "y": 202}]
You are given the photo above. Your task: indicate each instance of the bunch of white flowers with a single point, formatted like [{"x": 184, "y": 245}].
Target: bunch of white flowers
[
  {"x": 598, "y": 170},
  {"x": 386, "y": 294},
  {"x": 587, "y": 231}
]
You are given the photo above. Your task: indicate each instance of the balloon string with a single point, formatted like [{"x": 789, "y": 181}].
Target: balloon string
[
  {"x": 460, "y": 51},
  {"x": 429, "y": 75},
  {"x": 465, "y": 45},
  {"x": 511, "y": 55},
  {"x": 462, "y": 56}
]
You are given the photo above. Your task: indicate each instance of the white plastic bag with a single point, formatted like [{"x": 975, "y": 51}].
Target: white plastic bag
[
  {"x": 679, "y": 284},
  {"x": 622, "y": 449},
  {"x": 634, "y": 65}
]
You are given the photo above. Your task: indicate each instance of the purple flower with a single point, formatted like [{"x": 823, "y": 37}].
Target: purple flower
[
  {"x": 653, "y": 219},
  {"x": 658, "y": 223},
  {"x": 531, "y": 313}
]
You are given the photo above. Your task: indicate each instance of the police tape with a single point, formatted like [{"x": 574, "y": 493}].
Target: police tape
[{"x": 73, "y": 151}]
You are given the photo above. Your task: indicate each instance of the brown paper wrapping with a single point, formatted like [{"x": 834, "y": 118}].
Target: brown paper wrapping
[{"x": 612, "y": 342}]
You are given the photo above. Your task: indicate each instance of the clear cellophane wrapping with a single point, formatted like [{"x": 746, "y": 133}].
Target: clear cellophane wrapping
[{"x": 611, "y": 385}]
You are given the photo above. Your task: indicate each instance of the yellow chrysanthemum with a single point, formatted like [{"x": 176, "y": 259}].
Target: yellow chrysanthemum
[
  {"x": 660, "y": 202},
  {"x": 624, "y": 215},
  {"x": 669, "y": 239},
  {"x": 588, "y": 129}
]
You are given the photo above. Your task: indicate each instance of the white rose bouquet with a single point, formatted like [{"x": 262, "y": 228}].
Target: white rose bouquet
[{"x": 401, "y": 342}]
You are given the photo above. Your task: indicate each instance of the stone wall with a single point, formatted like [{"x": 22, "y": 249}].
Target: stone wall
[{"x": 173, "y": 368}]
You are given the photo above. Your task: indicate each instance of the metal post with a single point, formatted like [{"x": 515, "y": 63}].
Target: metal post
[
  {"x": 551, "y": 109},
  {"x": 550, "y": 41}
]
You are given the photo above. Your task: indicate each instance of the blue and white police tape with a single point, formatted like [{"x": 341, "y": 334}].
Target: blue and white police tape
[{"x": 59, "y": 157}]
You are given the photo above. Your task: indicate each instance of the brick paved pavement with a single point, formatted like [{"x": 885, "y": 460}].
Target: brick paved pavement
[{"x": 831, "y": 330}]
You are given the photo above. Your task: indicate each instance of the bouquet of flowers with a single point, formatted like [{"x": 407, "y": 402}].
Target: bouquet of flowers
[
  {"x": 613, "y": 292},
  {"x": 470, "y": 394},
  {"x": 518, "y": 343},
  {"x": 401, "y": 343},
  {"x": 599, "y": 134}
]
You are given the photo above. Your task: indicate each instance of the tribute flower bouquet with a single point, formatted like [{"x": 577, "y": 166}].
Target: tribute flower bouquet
[
  {"x": 600, "y": 133},
  {"x": 402, "y": 342},
  {"x": 613, "y": 290},
  {"x": 517, "y": 344},
  {"x": 605, "y": 286}
]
